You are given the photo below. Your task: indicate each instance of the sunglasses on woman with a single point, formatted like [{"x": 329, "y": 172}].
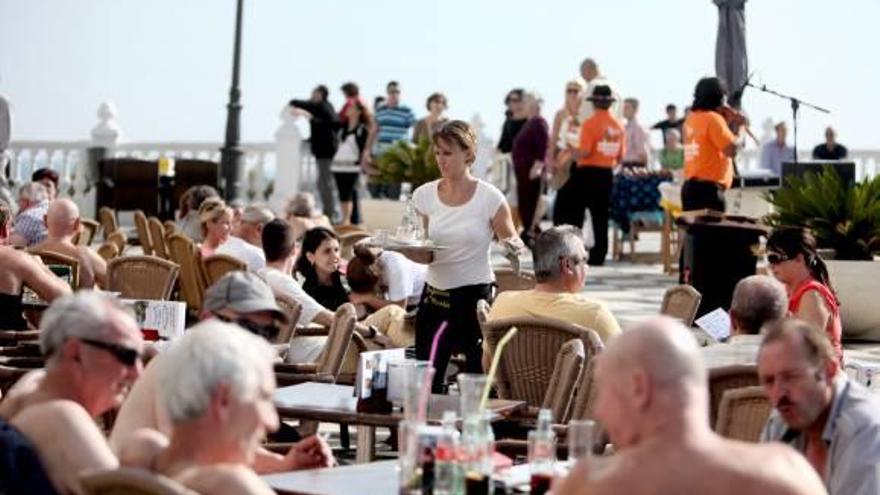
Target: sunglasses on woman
[{"x": 776, "y": 258}]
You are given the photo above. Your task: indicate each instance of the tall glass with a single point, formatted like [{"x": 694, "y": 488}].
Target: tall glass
[
  {"x": 409, "y": 479},
  {"x": 471, "y": 386},
  {"x": 417, "y": 378},
  {"x": 581, "y": 438}
]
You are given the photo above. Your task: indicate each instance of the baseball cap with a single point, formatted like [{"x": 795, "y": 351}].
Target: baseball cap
[{"x": 242, "y": 292}]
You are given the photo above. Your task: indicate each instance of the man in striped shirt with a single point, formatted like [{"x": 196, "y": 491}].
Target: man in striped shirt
[{"x": 392, "y": 124}]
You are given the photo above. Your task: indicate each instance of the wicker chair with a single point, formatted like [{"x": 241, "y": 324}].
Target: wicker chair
[
  {"x": 728, "y": 378},
  {"x": 143, "y": 232},
  {"x": 170, "y": 227},
  {"x": 183, "y": 252},
  {"x": 119, "y": 239},
  {"x": 87, "y": 232},
  {"x": 528, "y": 364},
  {"x": 107, "y": 219},
  {"x": 108, "y": 250},
  {"x": 743, "y": 413},
  {"x": 329, "y": 362},
  {"x": 293, "y": 310},
  {"x": 509, "y": 279},
  {"x": 142, "y": 277},
  {"x": 348, "y": 240},
  {"x": 157, "y": 235},
  {"x": 564, "y": 381},
  {"x": 217, "y": 265},
  {"x": 681, "y": 302},
  {"x": 52, "y": 258},
  {"x": 130, "y": 481}
]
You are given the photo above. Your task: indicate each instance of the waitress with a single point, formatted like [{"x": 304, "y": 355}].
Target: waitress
[
  {"x": 709, "y": 147},
  {"x": 463, "y": 214}
]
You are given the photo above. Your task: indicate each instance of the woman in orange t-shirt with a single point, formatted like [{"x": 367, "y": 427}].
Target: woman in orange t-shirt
[{"x": 709, "y": 146}]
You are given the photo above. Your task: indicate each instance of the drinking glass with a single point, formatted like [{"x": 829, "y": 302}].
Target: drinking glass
[
  {"x": 470, "y": 386},
  {"x": 581, "y": 437}
]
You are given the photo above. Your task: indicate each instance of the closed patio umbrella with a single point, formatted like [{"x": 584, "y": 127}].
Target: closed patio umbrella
[{"x": 731, "y": 59}]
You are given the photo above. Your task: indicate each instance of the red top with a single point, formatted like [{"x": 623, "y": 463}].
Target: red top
[{"x": 836, "y": 329}]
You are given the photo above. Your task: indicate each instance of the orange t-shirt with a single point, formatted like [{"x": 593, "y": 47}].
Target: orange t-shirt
[
  {"x": 604, "y": 140},
  {"x": 706, "y": 135}
]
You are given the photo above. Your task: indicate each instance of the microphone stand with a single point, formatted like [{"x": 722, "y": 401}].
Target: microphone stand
[{"x": 795, "y": 106}]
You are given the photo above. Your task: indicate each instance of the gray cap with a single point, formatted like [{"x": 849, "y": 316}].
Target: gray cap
[{"x": 242, "y": 292}]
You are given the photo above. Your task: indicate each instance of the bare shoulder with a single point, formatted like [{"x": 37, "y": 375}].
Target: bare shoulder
[
  {"x": 776, "y": 468},
  {"x": 21, "y": 394},
  {"x": 141, "y": 448},
  {"x": 224, "y": 479}
]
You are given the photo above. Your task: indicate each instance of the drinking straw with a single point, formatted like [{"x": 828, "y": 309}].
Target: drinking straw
[
  {"x": 426, "y": 382},
  {"x": 495, "y": 359}
]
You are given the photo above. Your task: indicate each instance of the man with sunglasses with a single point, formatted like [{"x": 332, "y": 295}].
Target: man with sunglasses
[
  {"x": 92, "y": 347},
  {"x": 240, "y": 298},
  {"x": 832, "y": 420},
  {"x": 560, "y": 262}
]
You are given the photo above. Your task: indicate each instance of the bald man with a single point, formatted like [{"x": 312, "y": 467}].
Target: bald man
[
  {"x": 62, "y": 224},
  {"x": 653, "y": 400}
]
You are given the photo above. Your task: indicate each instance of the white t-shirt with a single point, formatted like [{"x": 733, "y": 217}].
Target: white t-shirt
[
  {"x": 403, "y": 277},
  {"x": 283, "y": 283},
  {"x": 465, "y": 231},
  {"x": 242, "y": 250}
]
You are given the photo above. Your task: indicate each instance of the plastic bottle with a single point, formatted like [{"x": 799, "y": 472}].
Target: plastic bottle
[
  {"x": 542, "y": 453},
  {"x": 448, "y": 474}
]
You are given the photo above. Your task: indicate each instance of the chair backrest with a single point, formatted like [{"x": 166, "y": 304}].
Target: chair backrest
[
  {"x": 143, "y": 232},
  {"x": 510, "y": 279},
  {"x": 183, "y": 252},
  {"x": 681, "y": 302},
  {"x": 217, "y": 265},
  {"x": 527, "y": 364},
  {"x": 170, "y": 227},
  {"x": 348, "y": 240},
  {"x": 564, "y": 381},
  {"x": 108, "y": 250},
  {"x": 338, "y": 340},
  {"x": 130, "y": 481},
  {"x": 87, "y": 233},
  {"x": 293, "y": 310},
  {"x": 107, "y": 218},
  {"x": 743, "y": 413},
  {"x": 119, "y": 239},
  {"x": 53, "y": 258},
  {"x": 157, "y": 235},
  {"x": 13, "y": 368},
  {"x": 142, "y": 277},
  {"x": 727, "y": 378}
]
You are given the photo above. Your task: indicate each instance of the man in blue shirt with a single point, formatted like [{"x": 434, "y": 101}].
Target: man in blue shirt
[
  {"x": 832, "y": 420},
  {"x": 774, "y": 153},
  {"x": 392, "y": 124}
]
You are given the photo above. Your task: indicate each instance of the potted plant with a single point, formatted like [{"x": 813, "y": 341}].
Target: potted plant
[
  {"x": 407, "y": 162},
  {"x": 846, "y": 220}
]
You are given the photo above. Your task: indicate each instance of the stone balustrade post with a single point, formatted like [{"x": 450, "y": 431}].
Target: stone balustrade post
[
  {"x": 288, "y": 160},
  {"x": 105, "y": 137}
]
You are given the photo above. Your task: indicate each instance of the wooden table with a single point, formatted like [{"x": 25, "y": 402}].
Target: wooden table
[
  {"x": 333, "y": 403},
  {"x": 377, "y": 478}
]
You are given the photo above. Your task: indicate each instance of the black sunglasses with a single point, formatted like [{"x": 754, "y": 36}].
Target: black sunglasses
[
  {"x": 776, "y": 258},
  {"x": 268, "y": 332},
  {"x": 125, "y": 355}
]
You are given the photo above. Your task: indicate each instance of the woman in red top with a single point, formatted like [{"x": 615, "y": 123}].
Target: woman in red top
[{"x": 791, "y": 253}]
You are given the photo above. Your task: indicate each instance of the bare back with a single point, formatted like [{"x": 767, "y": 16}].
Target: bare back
[
  {"x": 223, "y": 479},
  {"x": 17, "y": 268},
  {"x": 717, "y": 466},
  {"x": 92, "y": 268}
]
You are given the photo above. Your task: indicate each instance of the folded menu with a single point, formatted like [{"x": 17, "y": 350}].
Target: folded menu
[{"x": 159, "y": 320}]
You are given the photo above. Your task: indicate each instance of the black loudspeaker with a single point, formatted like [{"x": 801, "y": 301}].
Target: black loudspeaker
[{"x": 719, "y": 251}]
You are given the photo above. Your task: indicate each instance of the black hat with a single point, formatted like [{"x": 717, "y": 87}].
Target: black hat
[{"x": 602, "y": 92}]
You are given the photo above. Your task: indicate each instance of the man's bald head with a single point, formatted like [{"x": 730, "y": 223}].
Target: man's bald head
[
  {"x": 650, "y": 375},
  {"x": 62, "y": 217}
]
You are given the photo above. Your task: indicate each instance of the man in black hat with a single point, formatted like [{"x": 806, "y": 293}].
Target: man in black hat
[{"x": 602, "y": 145}]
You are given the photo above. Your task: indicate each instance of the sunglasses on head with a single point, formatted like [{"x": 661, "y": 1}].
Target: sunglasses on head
[
  {"x": 776, "y": 258},
  {"x": 125, "y": 355},
  {"x": 572, "y": 91}
]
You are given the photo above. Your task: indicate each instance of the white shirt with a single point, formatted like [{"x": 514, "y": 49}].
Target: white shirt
[
  {"x": 465, "y": 231},
  {"x": 403, "y": 277},
  {"x": 242, "y": 250},
  {"x": 283, "y": 283}
]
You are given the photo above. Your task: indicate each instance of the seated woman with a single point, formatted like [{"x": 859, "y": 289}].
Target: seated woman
[
  {"x": 302, "y": 214},
  {"x": 18, "y": 269},
  {"x": 791, "y": 253},
  {"x": 216, "y": 220},
  {"x": 319, "y": 264},
  {"x": 378, "y": 279}
]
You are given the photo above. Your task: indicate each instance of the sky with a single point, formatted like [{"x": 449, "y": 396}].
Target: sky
[{"x": 166, "y": 64}]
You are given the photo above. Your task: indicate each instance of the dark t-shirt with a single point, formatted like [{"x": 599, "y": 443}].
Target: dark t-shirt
[
  {"x": 21, "y": 471},
  {"x": 530, "y": 143},
  {"x": 821, "y": 152},
  {"x": 329, "y": 296},
  {"x": 508, "y": 133}
]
